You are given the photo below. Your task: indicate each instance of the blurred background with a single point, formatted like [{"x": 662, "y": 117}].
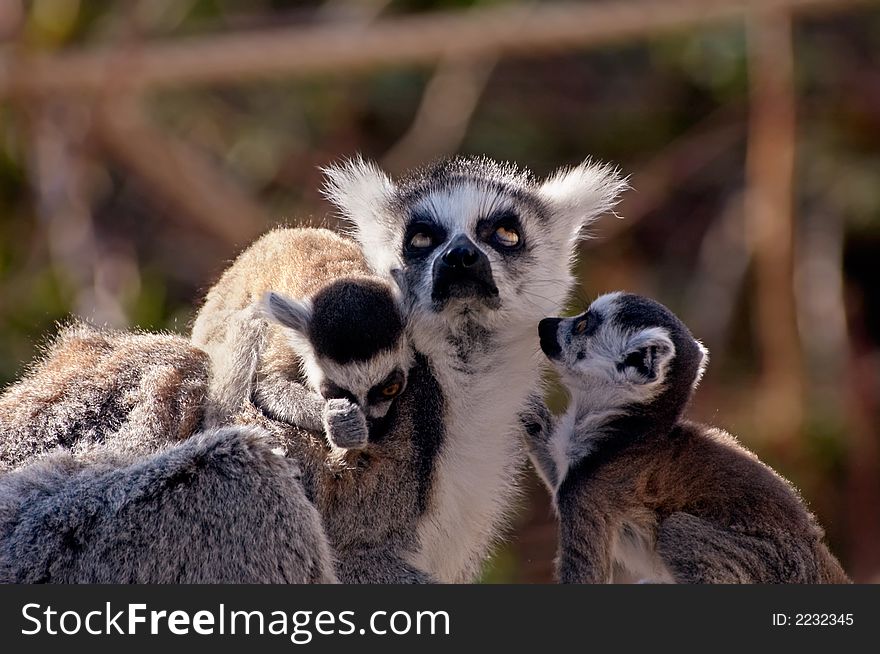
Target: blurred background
[{"x": 144, "y": 143}]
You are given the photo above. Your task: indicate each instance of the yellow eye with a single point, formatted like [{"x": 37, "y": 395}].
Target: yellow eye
[
  {"x": 421, "y": 240},
  {"x": 391, "y": 390},
  {"x": 580, "y": 327},
  {"x": 507, "y": 237}
]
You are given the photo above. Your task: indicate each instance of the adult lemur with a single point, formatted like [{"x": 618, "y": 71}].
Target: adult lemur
[
  {"x": 483, "y": 250},
  {"x": 104, "y": 481},
  {"x": 333, "y": 351},
  {"x": 640, "y": 489}
]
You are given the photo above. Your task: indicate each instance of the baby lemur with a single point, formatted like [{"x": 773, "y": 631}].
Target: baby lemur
[
  {"x": 333, "y": 353},
  {"x": 334, "y": 359},
  {"x": 642, "y": 492}
]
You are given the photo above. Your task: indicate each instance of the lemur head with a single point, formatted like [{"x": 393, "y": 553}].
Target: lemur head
[
  {"x": 350, "y": 337},
  {"x": 626, "y": 351},
  {"x": 471, "y": 236}
]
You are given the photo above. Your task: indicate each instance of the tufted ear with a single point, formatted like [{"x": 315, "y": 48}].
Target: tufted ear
[
  {"x": 360, "y": 190},
  {"x": 577, "y": 196},
  {"x": 646, "y": 356},
  {"x": 704, "y": 362},
  {"x": 293, "y": 314}
]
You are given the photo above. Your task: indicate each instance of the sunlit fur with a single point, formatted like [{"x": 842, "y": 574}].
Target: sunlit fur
[
  {"x": 641, "y": 492},
  {"x": 253, "y": 341},
  {"x": 483, "y": 352}
]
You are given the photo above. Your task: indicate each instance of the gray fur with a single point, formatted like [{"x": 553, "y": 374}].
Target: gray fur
[
  {"x": 290, "y": 313},
  {"x": 639, "y": 489},
  {"x": 366, "y": 477},
  {"x": 344, "y": 424},
  {"x": 218, "y": 508},
  {"x": 89, "y": 498},
  {"x": 472, "y": 305},
  {"x": 131, "y": 392}
]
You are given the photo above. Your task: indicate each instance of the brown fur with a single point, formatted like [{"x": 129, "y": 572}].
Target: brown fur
[
  {"x": 132, "y": 392},
  {"x": 232, "y": 327},
  {"x": 717, "y": 514},
  {"x": 369, "y": 498},
  {"x": 103, "y": 473},
  {"x": 639, "y": 489}
]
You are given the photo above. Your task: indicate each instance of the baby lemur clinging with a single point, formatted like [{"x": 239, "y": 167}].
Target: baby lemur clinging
[
  {"x": 640, "y": 491},
  {"x": 333, "y": 354}
]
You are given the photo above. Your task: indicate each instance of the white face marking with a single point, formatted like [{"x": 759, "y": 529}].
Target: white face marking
[
  {"x": 592, "y": 364},
  {"x": 475, "y": 478},
  {"x": 355, "y": 377},
  {"x": 531, "y": 277}
]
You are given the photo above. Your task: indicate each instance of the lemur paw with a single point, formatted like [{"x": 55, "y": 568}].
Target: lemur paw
[
  {"x": 536, "y": 420},
  {"x": 345, "y": 424}
]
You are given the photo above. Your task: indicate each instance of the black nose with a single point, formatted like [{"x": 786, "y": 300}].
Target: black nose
[
  {"x": 463, "y": 271},
  {"x": 548, "y": 333},
  {"x": 462, "y": 255}
]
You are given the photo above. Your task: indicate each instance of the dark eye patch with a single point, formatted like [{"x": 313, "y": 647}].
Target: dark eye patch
[
  {"x": 376, "y": 395},
  {"x": 330, "y": 391},
  {"x": 587, "y": 325},
  {"x": 507, "y": 219},
  {"x": 422, "y": 224}
]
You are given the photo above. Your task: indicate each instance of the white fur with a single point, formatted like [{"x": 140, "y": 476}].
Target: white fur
[
  {"x": 474, "y": 483},
  {"x": 580, "y": 194},
  {"x": 361, "y": 192},
  {"x": 633, "y": 549}
]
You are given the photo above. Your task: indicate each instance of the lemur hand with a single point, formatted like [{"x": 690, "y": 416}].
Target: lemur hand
[
  {"x": 536, "y": 420},
  {"x": 345, "y": 424}
]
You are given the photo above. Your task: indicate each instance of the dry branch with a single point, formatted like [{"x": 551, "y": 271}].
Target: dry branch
[
  {"x": 769, "y": 224},
  {"x": 421, "y": 39}
]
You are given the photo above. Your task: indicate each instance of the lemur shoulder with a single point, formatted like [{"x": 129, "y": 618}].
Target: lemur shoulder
[
  {"x": 303, "y": 338},
  {"x": 640, "y": 491},
  {"x": 300, "y": 324},
  {"x": 100, "y": 474}
]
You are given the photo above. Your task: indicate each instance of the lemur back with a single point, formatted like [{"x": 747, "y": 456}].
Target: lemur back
[
  {"x": 639, "y": 490},
  {"x": 134, "y": 392},
  {"x": 369, "y": 497},
  {"x": 231, "y": 327},
  {"x": 300, "y": 308}
]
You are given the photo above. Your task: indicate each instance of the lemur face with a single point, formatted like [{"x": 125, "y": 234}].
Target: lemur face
[
  {"x": 469, "y": 245},
  {"x": 350, "y": 338},
  {"x": 474, "y": 237},
  {"x": 619, "y": 350}
]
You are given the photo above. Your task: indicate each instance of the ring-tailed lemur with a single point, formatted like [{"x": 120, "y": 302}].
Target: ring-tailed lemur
[
  {"x": 641, "y": 490},
  {"x": 341, "y": 341},
  {"x": 134, "y": 392},
  {"x": 219, "y": 507},
  {"x": 483, "y": 251},
  {"x": 334, "y": 354},
  {"x": 103, "y": 475},
  {"x": 458, "y": 420}
]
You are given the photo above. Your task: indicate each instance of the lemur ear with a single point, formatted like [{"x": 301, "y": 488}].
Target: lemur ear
[
  {"x": 360, "y": 190},
  {"x": 579, "y": 195},
  {"x": 704, "y": 362},
  {"x": 646, "y": 356},
  {"x": 293, "y": 314}
]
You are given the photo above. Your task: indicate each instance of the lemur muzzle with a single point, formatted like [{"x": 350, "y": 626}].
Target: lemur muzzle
[
  {"x": 548, "y": 330},
  {"x": 463, "y": 271}
]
